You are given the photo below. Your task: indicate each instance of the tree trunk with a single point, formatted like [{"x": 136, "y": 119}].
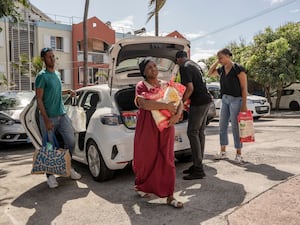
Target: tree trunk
[{"x": 85, "y": 44}]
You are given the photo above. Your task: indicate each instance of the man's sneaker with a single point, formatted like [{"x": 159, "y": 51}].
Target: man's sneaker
[
  {"x": 74, "y": 175},
  {"x": 239, "y": 159},
  {"x": 51, "y": 181},
  {"x": 220, "y": 155}
]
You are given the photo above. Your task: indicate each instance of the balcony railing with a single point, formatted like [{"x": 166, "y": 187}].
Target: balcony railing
[{"x": 94, "y": 57}]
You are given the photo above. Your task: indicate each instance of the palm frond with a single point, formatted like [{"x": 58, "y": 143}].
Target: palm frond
[{"x": 154, "y": 9}]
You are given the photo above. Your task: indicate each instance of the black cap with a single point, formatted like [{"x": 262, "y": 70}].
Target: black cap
[
  {"x": 143, "y": 65},
  {"x": 44, "y": 51},
  {"x": 181, "y": 54}
]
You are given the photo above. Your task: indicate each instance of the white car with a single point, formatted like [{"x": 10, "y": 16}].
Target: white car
[
  {"x": 290, "y": 97},
  {"x": 258, "y": 105},
  {"x": 107, "y": 144}
]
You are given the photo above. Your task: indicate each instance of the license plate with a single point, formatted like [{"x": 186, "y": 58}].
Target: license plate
[
  {"x": 178, "y": 139},
  {"x": 262, "y": 108}
]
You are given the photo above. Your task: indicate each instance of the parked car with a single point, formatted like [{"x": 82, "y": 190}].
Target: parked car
[
  {"x": 107, "y": 144},
  {"x": 258, "y": 105},
  {"x": 290, "y": 97},
  {"x": 212, "y": 113},
  {"x": 11, "y": 105}
]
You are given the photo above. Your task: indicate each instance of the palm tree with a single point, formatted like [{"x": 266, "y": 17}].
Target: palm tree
[
  {"x": 85, "y": 44},
  {"x": 155, "y": 6}
]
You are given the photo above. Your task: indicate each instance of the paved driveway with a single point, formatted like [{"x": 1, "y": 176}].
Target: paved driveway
[{"x": 272, "y": 159}]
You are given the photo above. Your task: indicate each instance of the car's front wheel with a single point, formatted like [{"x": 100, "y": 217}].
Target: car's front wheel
[
  {"x": 294, "y": 106},
  {"x": 97, "y": 166}
]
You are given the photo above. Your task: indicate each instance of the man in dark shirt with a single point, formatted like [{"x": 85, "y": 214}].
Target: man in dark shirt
[{"x": 192, "y": 77}]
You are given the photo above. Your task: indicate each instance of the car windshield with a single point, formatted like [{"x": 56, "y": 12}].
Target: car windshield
[
  {"x": 15, "y": 100},
  {"x": 133, "y": 64}
]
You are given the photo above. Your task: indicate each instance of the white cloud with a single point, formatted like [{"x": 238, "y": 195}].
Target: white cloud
[
  {"x": 123, "y": 26},
  {"x": 191, "y": 36},
  {"x": 276, "y": 1},
  {"x": 295, "y": 11},
  {"x": 198, "y": 53}
]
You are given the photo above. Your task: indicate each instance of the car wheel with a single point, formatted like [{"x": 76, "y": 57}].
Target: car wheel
[
  {"x": 97, "y": 166},
  {"x": 294, "y": 105}
]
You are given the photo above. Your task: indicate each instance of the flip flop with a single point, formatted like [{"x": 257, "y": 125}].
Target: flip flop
[{"x": 176, "y": 204}]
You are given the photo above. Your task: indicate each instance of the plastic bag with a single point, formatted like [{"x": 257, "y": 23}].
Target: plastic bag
[
  {"x": 78, "y": 117},
  {"x": 173, "y": 92},
  {"x": 246, "y": 127}
]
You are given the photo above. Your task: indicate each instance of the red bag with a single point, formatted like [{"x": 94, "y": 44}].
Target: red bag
[{"x": 246, "y": 127}]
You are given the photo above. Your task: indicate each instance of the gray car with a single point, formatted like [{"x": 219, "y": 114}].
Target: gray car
[{"x": 11, "y": 105}]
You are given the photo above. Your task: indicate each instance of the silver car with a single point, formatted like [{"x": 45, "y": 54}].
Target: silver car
[{"x": 11, "y": 105}]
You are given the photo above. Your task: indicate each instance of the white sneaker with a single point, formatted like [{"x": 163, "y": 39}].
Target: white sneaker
[
  {"x": 51, "y": 181},
  {"x": 220, "y": 155},
  {"x": 74, "y": 175},
  {"x": 239, "y": 159}
]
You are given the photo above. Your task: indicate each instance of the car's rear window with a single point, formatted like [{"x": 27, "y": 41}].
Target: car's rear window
[{"x": 133, "y": 64}]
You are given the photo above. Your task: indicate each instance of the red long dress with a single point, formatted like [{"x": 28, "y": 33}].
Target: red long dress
[{"x": 153, "y": 161}]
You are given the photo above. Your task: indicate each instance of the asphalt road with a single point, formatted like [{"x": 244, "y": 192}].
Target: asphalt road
[{"x": 272, "y": 159}]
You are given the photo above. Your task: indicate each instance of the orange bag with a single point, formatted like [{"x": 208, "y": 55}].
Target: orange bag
[{"x": 246, "y": 127}]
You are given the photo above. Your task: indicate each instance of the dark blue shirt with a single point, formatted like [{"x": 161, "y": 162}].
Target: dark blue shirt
[{"x": 191, "y": 72}]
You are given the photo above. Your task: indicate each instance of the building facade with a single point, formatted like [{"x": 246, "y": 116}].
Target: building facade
[{"x": 100, "y": 39}]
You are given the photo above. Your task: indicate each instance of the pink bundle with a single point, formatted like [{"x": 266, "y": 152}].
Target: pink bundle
[{"x": 172, "y": 92}]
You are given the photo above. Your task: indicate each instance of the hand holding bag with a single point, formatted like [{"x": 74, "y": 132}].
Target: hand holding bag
[
  {"x": 51, "y": 159},
  {"x": 77, "y": 116},
  {"x": 246, "y": 127}
]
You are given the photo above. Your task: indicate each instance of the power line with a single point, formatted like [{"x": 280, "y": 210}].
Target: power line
[{"x": 266, "y": 11}]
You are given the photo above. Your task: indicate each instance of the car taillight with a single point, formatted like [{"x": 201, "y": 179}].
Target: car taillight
[
  {"x": 129, "y": 118},
  {"x": 110, "y": 119}
]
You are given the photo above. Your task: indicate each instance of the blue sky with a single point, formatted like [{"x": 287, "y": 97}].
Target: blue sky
[{"x": 209, "y": 24}]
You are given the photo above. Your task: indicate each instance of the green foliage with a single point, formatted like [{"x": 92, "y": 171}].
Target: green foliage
[
  {"x": 9, "y": 8},
  {"x": 36, "y": 65},
  {"x": 272, "y": 60}
]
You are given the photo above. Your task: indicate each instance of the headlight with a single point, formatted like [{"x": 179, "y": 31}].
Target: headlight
[{"x": 7, "y": 121}]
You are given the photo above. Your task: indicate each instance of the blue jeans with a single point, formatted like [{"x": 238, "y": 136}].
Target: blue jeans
[
  {"x": 196, "y": 133},
  {"x": 230, "y": 109},
  {"x": 63, "y": 125}
]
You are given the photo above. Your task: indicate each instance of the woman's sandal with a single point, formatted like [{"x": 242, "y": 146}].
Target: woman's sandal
[
  {"x": 176, "y": 204},
  {"x": 142, "y": 194}
]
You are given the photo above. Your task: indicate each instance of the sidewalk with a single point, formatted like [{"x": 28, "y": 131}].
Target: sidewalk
[
  {"x": 279, "y": 205},
  {"x": 284, "y": 114}
]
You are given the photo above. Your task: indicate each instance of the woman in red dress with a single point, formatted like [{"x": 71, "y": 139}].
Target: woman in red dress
[{"x": 153, "y": 161}]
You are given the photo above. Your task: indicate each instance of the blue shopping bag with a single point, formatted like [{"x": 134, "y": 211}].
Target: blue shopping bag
[{"x": 51, "y": 159}]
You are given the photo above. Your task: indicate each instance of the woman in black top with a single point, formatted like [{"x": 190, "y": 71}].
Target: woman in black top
[{"x": 233, "y": 80}]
